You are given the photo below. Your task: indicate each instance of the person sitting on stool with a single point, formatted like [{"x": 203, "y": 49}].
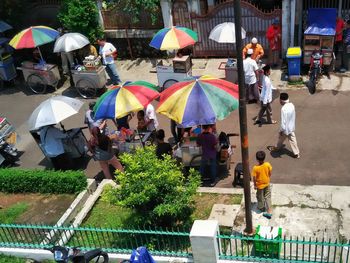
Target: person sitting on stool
[
  {"x": 208, "y": 141},
  {"x": 51, "y": 140}
]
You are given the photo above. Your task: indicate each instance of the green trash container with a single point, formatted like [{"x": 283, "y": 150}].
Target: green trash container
[{"x": 264, "y": 247}]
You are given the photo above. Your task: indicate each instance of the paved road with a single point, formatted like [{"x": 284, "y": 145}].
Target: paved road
[{"x": 322, "y": 131}]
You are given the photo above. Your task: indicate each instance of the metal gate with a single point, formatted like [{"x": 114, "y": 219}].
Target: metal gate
[{"x": 254, "y": 22}]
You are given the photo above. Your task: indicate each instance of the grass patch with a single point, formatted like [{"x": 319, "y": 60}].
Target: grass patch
[
  {"x": 11, "y": 259},
  {"x": 205, "y": 201},
  {"x": 10, "y": 214}
]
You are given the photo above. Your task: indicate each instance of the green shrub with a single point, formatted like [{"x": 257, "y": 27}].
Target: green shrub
[
  {"x": 41, "y": 181},
  {"x": 156, "y": 189}
]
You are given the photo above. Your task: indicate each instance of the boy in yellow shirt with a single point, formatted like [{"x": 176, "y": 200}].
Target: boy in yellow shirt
[{"x": 261, "y": 174}]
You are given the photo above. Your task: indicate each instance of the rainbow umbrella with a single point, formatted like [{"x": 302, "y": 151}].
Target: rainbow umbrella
[
  {"x": 33, "y": 37},
  {"x": 122, "y": 100},
  {"x": 174, "y": 38},
  {"x": 199, "y": 100}
]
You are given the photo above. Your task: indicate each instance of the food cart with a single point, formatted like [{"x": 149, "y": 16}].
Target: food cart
[
  {"x": 8, "y": 138},
  {"x": 90, "y": 78},
  {"x": 126, "y": 141},
  {"x": 40, "y": 75},
  {"x": 169, "y": 74},
  {"x": 7, "y": 68},
  {"x": 320, "y": 33}
]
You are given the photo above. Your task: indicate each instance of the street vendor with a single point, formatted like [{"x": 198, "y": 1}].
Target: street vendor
[
  {"x": 258, "y": 51},
  {"x": 208, "y": 142},
  {"x": 273, "y": 35},
  {"x": 51, "y": 141},
  {"x": 88, "y": 50}
]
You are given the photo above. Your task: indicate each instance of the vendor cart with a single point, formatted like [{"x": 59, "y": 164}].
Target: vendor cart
[
  {"x": 88, "y": 82},
  {"x": 38, "y": 76},
  {"x": 320, "y": 33},
  {"x": 7, "y": 68},
  {"x": 169, "y": 75}
]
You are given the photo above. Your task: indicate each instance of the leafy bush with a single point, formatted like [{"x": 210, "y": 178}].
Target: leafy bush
[
  {"x": 41, "y": 181},
  {"x": 81, "y": 16},
  {"x": 156, "y": 189}
]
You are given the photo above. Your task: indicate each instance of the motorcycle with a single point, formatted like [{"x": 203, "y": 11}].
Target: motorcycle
[
  {"x": 75, "y": 255},
  {"x": 316, "y": 70},
  {"x": 8, "y": 152}
]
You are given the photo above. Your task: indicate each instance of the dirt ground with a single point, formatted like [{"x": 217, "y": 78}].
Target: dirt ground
[{"x": 43, "y": 209}]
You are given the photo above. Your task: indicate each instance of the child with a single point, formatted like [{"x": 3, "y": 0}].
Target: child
[
  {"x": 261, "y": 176},
  {"x": 141, "y": 124}
]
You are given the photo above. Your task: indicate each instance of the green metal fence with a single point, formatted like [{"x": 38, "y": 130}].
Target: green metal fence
[
  {"x": 158, "y": 241},
  {"x": 239, "y": 247}
]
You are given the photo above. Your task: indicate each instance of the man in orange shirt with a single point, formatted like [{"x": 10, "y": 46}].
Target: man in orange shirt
[
  {"x": 258, "y": 51},
  {"x": 273, "y": 35},
  {"x": 261, "y": 174}
]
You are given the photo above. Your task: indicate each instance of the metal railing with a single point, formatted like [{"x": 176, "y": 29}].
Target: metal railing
[
  {"x": 239, "y": 247},
  {"x": 158, "y": 241}
]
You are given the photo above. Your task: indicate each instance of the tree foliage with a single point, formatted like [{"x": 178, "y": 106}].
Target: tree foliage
[
  {"x": 134, "y": 8},
  {"x": 156, "y": 189},
  {"x": 81, "y": 16}
]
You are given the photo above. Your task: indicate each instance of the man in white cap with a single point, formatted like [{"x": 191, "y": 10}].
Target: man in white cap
[
  {"x": 287, "y": 126},
  {"x": 258, "y": 51},
  {"x": 250, "y": 75}
]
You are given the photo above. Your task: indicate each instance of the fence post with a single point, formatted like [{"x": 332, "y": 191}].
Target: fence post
[{"x": 203, "y": 241}]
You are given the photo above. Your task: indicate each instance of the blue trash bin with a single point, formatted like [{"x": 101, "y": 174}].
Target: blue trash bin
[{"x": 294, "y": 58}]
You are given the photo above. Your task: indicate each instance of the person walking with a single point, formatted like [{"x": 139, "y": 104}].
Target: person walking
[
  {"x": 250, "y": 76},
  {"x": 100, "y": 146},
  {"x": 266, "y": 98},
  {"x": 287, "y": 129},
  {"x": 108, "y": 52},
  {"x": 258, "y": 51},
  {"x": 273, "y": 35},
  {"x": 261, "y": 174}
]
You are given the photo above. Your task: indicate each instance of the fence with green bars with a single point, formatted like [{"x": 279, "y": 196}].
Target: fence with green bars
[{"x": 176, "y": 243}]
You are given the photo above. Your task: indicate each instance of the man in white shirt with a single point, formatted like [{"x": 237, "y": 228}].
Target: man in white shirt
[
  {"x": 151, "y": 118},
  {"x": 107, "y": 52},
  {"x": 251, "y": 73},
  {"x": 266, "y": 97},
  {"x": 287, "y": 126},
  {"x": 51, "y": 140}
]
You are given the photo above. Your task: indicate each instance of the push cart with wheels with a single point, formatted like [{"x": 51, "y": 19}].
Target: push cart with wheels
[
  {"x": 169, "y": 75},
  {"x": 39, "y": 76},
  {"x": 88, "y": 82},
  {"x": 7, "y": 68}
]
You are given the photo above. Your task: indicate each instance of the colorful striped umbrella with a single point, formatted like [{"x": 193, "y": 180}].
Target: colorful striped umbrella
[
  {"x": 33, "y": 37},
  {"x": 174, "y": 38},
  {"x": 122, "y": 100},
  {"x": 198, "y": 101}
]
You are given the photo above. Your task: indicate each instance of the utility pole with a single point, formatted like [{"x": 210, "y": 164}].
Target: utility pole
[{"x": 243, "y": 118}]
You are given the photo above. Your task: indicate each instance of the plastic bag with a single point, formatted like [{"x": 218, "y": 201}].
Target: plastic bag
[{"x": 141, "y": 255}]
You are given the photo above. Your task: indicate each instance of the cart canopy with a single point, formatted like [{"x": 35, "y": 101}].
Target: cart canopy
[{"x": 321, "y": 21}]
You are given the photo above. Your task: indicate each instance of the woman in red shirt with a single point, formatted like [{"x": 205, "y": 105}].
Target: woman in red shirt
[{"x": 273, "y": 35}]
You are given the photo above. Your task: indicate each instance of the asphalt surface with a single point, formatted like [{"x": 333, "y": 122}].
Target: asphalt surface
[{"x": 322, "y": 131}]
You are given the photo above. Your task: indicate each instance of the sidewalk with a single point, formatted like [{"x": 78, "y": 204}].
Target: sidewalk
[{"x": 304, "y": 211}]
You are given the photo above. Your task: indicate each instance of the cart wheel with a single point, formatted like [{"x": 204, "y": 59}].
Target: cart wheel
[
  {"x": 36, "y": 83},
  {"x": 168, "y": 83},
  {"x": 86, "y": 88}
]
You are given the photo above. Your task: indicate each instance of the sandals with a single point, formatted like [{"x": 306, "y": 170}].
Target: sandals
[
  {"x": 273, "y": 122},
  {"x": 267, "y": 215}
]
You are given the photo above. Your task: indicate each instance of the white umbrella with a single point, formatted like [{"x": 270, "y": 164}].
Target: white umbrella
[
  {"x": 53, "y": 111},
  {"x": 69, "y": 42},
  {"x": 225, "y": 33}
]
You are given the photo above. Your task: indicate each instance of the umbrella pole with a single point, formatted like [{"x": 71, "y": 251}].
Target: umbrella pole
[
  {"x": 243, "y": 118},
  {"x": 41, "y": 56}
]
